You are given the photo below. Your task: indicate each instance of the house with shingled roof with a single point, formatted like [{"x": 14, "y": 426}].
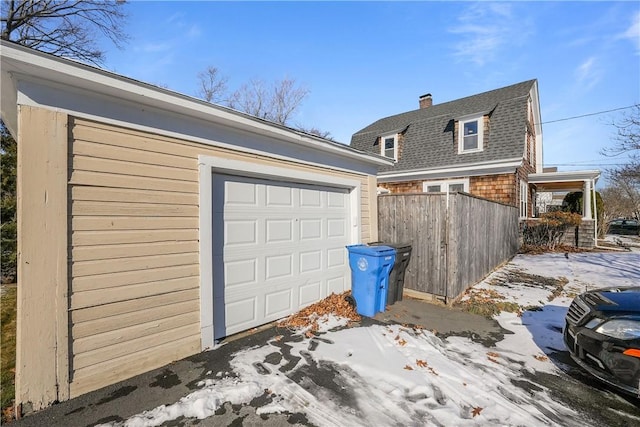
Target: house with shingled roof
[
  {"x": 488, "y": 145},
  {"x": 485, "y": 144}
]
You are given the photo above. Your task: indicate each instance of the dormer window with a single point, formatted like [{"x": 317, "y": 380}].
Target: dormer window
[
  {"x": 470, "y": 135},
  {"x": 389, "y": 146}
]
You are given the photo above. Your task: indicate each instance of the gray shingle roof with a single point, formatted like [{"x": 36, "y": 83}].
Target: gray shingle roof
[{"x": 428, "y": 140}]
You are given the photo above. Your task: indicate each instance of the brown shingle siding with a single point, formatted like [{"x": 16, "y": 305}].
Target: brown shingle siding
[
  {"x": 403, "y": 187},
  {"x": 500, "y": 188}
]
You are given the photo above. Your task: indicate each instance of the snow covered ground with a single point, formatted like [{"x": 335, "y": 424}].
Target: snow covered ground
[{"x": 403, "y": 375}]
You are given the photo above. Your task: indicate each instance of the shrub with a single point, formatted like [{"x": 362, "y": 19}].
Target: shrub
[
  {"x": 573, "y": 202},
  {"x": 549, "y": 229}
]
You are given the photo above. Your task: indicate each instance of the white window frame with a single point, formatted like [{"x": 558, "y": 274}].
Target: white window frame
[
  {"x": 461, "y": 123},
  {"x": 444, "y": 185},
  {"x": 524, "y": 199},
  {"x": 395, "y": 146}
]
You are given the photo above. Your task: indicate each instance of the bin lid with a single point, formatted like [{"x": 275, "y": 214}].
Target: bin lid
[
  {"x": 397, "y": 246},
  {"x": 377, "y": 251}
]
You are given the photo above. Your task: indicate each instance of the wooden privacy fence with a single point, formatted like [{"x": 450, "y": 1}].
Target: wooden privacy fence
[{"x": 455, "y": 242}]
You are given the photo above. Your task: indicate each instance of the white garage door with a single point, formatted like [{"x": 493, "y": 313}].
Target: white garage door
[{"x": 283, "y": 248}]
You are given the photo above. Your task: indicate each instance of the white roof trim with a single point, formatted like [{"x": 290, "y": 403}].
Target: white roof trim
[
  {"x": 19, "y": 61},
  {"x": 567, "y": 176},
  {"x": 474, "y": 169}
]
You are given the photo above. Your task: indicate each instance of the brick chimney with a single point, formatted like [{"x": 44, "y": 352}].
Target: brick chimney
[{"x": 426, "y": 101}]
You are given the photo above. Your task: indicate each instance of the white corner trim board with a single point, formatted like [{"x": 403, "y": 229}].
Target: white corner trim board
[{"x": 208, "y": 166}]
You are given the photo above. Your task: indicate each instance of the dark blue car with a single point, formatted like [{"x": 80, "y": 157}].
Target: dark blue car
[
  {"x": 629, "y": 227},
  {"x": 602, "y": 333}
]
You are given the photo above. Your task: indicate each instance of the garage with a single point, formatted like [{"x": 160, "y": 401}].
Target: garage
[
  {"x": 152, "y": 224},
  {"x": 283, "y": 248}
]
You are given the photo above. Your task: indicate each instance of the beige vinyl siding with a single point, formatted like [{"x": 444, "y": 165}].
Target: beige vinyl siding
[{"x": 134, "y": 297}]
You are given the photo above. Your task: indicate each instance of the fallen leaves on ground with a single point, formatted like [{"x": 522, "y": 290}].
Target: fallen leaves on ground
[
  {"x": 421, "y": 363},
  {"x": 408, "y": 368},
  {"x": 7, "y": 414},
  {"x": 541, "y": 358},
  {"x": 539, "y": 250},
  {"x": 486, "y": 302},
  {"x": 476, "y": 411},
  {"x": 335, "y": 304}
]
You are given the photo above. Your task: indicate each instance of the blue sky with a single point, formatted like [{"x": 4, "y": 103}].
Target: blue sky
[{"x": 366, "y": 60}]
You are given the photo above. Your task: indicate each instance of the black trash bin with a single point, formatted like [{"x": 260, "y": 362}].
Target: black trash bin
[{"x": 396, "y": 277}]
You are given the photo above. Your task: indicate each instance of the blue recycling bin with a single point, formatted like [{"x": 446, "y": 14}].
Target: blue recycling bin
[{"x": 370, "y": 268}]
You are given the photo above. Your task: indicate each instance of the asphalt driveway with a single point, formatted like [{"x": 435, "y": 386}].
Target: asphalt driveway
[{"x": 168, "y": 384}]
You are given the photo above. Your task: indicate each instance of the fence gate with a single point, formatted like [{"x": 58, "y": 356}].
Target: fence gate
[{"x": 457, "y": 239}]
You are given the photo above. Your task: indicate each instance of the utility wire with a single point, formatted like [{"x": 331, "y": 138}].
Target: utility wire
[
  {"x": 585, "y": 164},
  {"x": 587, "y": 115}
]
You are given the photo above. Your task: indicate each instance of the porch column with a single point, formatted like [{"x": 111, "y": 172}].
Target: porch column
[{"x": 586, "y": 194}]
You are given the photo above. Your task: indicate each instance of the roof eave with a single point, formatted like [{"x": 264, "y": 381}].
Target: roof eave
[
  {"x": 567, "y": 176},
  {"x": 18, "y": 60},
  {"x": 472, "y": 169}
]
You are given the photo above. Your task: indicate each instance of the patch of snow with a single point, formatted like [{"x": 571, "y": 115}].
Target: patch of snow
[
  {"x": 200, "y": 404},
  {"x": 396, "y": 375}
]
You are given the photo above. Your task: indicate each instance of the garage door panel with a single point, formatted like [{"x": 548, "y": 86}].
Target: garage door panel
[
  {"x": 241, "y": 314},
  {"x": 279, "y": 196},
  {"x": 337, "y": 227},
  {"x": 241, "y": 272},
  {"x": 336, "y": 257},
  {"x": 240, "y": 232},
  {"x": 310, "y": 229},
  {"x": 309, "y": 293},
  {"x": 240, "y": 193},
  {"x": 310, "y": 198},
  {"x": 336, "y": 285},
  {"x": 283, "y": 248},
  {"x": 336, "y": 200},
  {"x": 279, "y": 230},
  {"x": 310, "y": 261},
  {"x": 278, "y": 303},
  {"x": 278, "y": 266}
]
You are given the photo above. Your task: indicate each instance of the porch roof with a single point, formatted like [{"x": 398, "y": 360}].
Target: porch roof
[{"x": 563, "y": 181}]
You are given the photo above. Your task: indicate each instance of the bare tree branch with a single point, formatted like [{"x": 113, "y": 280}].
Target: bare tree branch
[
  {"x": 621, "y": 197},
  {"x": 625, "y": 180},
  {"x": 315, "y": 131},
  {"x": 286, "y": 99},
  {"x": 64, "y": 28},
  {"x": 213, "y": 86},
  {"x": 277, "y": 103},
  {"x": 627, "y": 139}
]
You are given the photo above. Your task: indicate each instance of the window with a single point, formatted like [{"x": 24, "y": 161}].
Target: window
[
  {"x": 450, "y": 186},
  {"x": 524, "y": 195},
  {"x": 470, "y": 139},
  {"x": 389, "y": 146}
]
